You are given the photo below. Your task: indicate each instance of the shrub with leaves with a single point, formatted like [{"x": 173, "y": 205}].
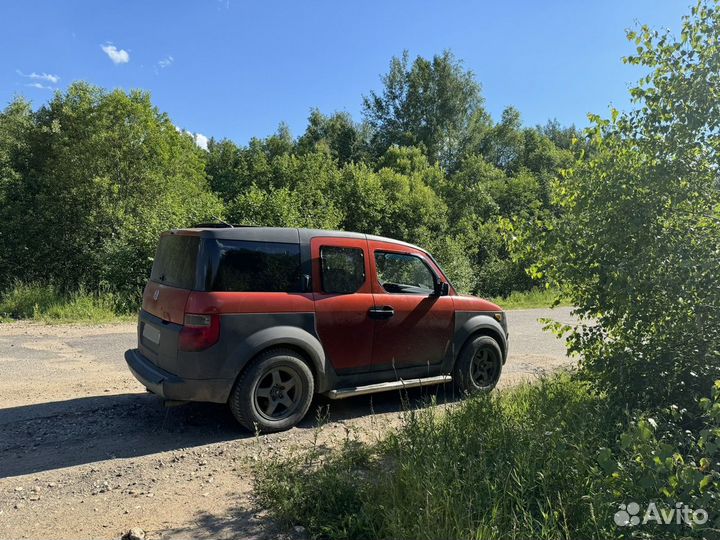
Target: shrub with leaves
[
  {"x": 636, "y": 245},
  {"x": 668, "y": 458}
]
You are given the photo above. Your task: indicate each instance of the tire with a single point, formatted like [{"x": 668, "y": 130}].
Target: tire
[
  {"x": 261, "y": 399},
  {"x": 478, "y": 366}
]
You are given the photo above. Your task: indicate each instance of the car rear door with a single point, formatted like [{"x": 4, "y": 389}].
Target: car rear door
[
  {"x": 172, "y": 279},
  {"x": 343, "y": 299},
  {"x": 413, "y": 326}
]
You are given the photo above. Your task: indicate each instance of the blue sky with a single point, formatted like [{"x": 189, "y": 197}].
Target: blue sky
[{"x": 234, "y": 69}]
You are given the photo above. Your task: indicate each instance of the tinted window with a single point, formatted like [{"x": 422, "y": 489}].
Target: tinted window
[
  {"x": 175, "y": 261},
  {"x": 343, "y": 269},
  {"x": 257, "y": 267},
  {"x": 400, "y": 273}
]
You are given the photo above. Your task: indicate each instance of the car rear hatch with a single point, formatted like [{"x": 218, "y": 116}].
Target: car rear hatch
[{"x": 172, "y": 279}]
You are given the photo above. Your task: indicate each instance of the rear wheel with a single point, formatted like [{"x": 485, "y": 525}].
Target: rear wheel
[
  {"x": 274, "y": 392},
  {"x": 479, "y": 365}
]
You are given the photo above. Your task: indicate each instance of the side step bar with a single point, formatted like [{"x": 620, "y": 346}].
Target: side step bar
[{"x": 341, "y": 393}]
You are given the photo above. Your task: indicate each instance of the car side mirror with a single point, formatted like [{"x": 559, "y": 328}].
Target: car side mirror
[{"x": 441, "y": 289}]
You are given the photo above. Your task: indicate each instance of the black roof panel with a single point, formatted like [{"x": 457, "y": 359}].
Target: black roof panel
[{"x": 278, "y": 234}]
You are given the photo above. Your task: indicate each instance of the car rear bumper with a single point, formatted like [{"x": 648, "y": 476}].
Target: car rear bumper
[{"x": 172, "y": 387}]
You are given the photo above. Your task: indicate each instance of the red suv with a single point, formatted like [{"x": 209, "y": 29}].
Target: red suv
[{"x": 264, "y": 318}]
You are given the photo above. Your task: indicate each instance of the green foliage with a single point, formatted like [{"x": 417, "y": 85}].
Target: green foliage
[
  {"x": 225, "y": 167},
  {"x": 518, "y": 464},
  {"x": 44, "y": 302},
  {"x": 98, "y": 176},
  {"x": 538, "y": 297},
  {"x": 24, "y": 300},
  {"x": 636, "y": 243},
  {"x": 564, "y": 138},
  {"x": 344, "y": 139},
  {"x": 669, "y": 457},
  {"x": 329, "y": 501},
  {"x": 468, "y": 191},
  {"x": 427, "y": 104},
  {"x": 88, "y": 181},
  {"x": 281, "y": 207},
  {"x": 551, "y": 459}
]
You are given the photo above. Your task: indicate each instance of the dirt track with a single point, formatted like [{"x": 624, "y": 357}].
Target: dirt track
[{"x": 85, "y": 452}]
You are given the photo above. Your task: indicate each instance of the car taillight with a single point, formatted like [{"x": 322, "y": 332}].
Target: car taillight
[{"x": 199, "y": 332}]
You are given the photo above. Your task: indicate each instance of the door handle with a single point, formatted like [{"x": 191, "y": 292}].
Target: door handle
[{"x": 382, "y": 313}]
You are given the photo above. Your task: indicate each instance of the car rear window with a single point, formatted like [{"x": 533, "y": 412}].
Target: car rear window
[
  {"x": 176, "y": 261},
  {"x": 257, "y": 267},
  {"x": 342, "y": 269}
]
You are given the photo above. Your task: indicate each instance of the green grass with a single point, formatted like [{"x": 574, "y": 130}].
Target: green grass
[
  {"x": 534, "y": 298},
  {"x": 44, "y": 303},
  {"x": 516, "y": 464},
  {"x": 545, "y": 460}
]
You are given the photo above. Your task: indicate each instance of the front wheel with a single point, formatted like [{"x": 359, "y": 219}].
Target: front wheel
[
  {"x": 274, "y": 392},
  {"x": 479, "y": 365}
]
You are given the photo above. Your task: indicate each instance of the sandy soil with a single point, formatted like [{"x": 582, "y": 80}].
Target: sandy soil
[{"x": 85, "y": 452}]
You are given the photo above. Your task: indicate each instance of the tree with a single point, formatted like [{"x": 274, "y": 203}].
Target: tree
[
  {"x": 295, "y": 191},
  {"x": 225, "y": 168},
  {"x": 636, "y": 245},
  {"x": 502, "y": 144},
  {"x": 345, "y": 140},
  {"x": 468, "y": 192},
  {"x": 282, "y": 207},
  {"x": 103, "y": 174},
  {"x": 564, "y": 137},
  {"x": 427, "y": 104}
]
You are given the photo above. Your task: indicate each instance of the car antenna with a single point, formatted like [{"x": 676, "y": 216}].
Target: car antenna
[{"x": 224, "y": 222}]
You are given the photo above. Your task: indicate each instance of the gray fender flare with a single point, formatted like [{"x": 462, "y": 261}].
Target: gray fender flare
[
  {"x": 278, "y": 336},
  {"x": 478, "y": 323}
]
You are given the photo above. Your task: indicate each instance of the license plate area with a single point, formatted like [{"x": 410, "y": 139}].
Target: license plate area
[{"x": 151, "y": 334}]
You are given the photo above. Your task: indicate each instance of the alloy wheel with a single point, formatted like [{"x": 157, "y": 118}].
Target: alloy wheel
[
  {"x": 484, "y": 367},
  {"x": 278, "y": 392}
]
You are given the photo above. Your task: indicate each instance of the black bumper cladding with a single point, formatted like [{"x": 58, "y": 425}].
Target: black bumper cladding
[{"x": 172, "y": 387}]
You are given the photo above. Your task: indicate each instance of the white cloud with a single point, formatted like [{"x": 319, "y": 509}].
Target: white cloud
[
  {"x": 118, "y": 56},
  {"x": 39, "y": 86},
  {"x": 48, "y": 77},
  {"x": 198, "y": 138},
  {"x": 165, "y": 62},
  {"x": 201, "y": 140}
]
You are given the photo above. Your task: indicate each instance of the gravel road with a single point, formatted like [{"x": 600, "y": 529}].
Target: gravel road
[{"x": 85, "y": 452}]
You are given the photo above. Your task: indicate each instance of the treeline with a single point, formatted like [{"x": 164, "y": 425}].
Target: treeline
[{"x": 88, "y": 181}]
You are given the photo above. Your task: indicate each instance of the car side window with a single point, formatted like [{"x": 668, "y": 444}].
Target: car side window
[
  {"x": 342, "y": 269},
  {"x": 244, "y": 266},
  {"x": 399, "y": 273}
]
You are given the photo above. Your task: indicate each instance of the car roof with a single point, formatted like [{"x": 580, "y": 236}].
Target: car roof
[{"x": 278, "y": 234}]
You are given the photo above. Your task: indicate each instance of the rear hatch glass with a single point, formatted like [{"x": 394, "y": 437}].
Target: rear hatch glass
[
  {"x": 175, "y": 262},
  {"x": 172, "y": 277}
]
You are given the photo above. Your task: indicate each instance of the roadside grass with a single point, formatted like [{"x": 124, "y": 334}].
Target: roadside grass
[
  {"x": 517, "y": 464},
  {"x": 546, "y": 460},
  {"x": 44, "y": 303},
  {"x": 537, "y": 297}
]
